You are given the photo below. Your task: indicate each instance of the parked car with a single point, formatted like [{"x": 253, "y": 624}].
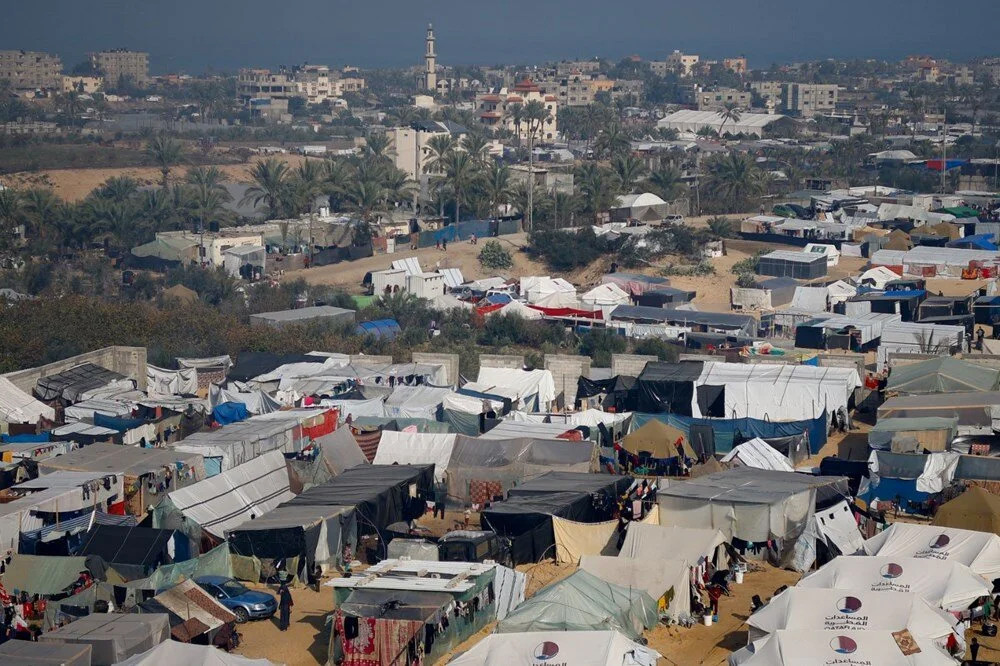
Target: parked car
[
  {"x": 246, "y": 604},
  {"x": 474, "y": 546}
]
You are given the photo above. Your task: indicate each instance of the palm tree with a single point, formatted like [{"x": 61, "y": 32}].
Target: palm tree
[
  {"x": 378, "y": 147},
  {"x": 516, "y": 114},
  {"x": 730, "y": 113},
  {"x": 720, "y": 227},
  {"x": 666, "y": 182},
  {"x": 598, "y": 188},
  {"x": 165, "y": 153},
  {"x": 208, "y": 178},
  {"x": 735, "y": 178},
  {"x": 270, "y": 178},
  {"x": 461, "y": 174},
  {"x": 611, "y": 141},
  {"x": 629, "y": 169},
  {"x": 12, "y": 212},
  {"x": 335, "y": 181},
  {"x": 118, "y": 189},
  {"x": 477, "y": 145},
  {"x": 307, "y": 183},
  {"x": 156, "y": 206},
  {"x": 439, "y": 148},
  {"x": 564, "y": 206},
  {"x": 496, "y": 187},
  {"x": 536, "y": 115},
  {"x": 43, "y": 209},
  {"x": 367, "y": 197}
]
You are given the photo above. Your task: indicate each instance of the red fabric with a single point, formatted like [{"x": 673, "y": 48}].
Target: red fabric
[
  {"x": 482, "y": 491},
  {"x": 368, "y": 441},
  {"x": 568, "y": 312},
  {"x": 572, "y": 435},
  {"x": 486, "y": 309},
  {"x": 117, "y": 509},
  {"x": 325, "y": 427},
  {"x": 379, "y": 642}
]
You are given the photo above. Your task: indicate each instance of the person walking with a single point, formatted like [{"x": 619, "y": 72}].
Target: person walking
[
  {"x": 285, "y": 604},
  {"x": 440, "y": 497},
  {"x": 974, "y": 649}
]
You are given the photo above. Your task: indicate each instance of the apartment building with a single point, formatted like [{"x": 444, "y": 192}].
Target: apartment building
[
  {"x": 682, "y": 63},
  {"x": 411, "y": 152},
  {"x": 257, "y": 84},
  {"x": 82, "y": 84},
  {"x": 314, "y": 83},
  {"x": 768, "y": 90},
  {"x": 808, "y": 99},
  {"x": 716, "y": 100},
  {"x": 576, "y": 89},
  {"x": 117, "y": 64},
  {"x": 30, "y": 70},
  {"x": 568, "y": 67},
  {"x": 736, "y": 65},
  {"x": 494, "y": 110}
]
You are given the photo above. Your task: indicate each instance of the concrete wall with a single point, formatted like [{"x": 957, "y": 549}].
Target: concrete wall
[
  {"x": 501, "y": 361},
  {"x": 566, "y": 370},
  {"x": 365, "y": 358},
  {"x": 449, "y": 361},
  {"x": 127, "y": 361},
  {"x": 629, "y": 364},
  {"x": 987, "y": 360}
]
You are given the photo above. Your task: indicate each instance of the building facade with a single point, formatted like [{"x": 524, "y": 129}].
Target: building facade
[
  {"x": 716, "y": 100},
  {"x": 809, "y": 99},
  {"x": 411, "y": 152},
  {"x": 255, "y": 84},
  {"x": 117, "y": 64},
  {"x": 576, "y": 89},
  {"x": 736, "y": 65},
  {"x": 30, "y": 70},
  {"x": 82, "y": 84},
  {"x": 495, "y": 110},
  {"x": 430, "y": 62},
  {"x": 682, "y": 63}
]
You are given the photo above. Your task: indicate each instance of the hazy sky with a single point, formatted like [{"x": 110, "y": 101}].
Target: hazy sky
[{"x": 195, "y": 35}]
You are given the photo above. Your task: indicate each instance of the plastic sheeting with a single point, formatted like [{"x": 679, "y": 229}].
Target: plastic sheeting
[
  {"x": 980, "y": 551},
  {"x": 942, "y": 375},
  {"x": 656, "y": 576},
  {"x": 113, "y": 637},
  {"x": 576, "y": 540},
  {"x": 581, "y": 648},
  {"x": 70, "y": 385},
  {"x": 16, "y": 406},
  {"x": 256, "y": 402},
  {"x": 697, "y": 546},
  {"x": 416, "y": 448},
  {"x": 240, "y": 442},
  {"x": 172, "y": 653},
  {"x": 160, "y": 381},
  {"x": 339, "y": 450},
  {"x": 758, "y": 453},
  {"x": 355, "y": 408},
  {"x": 839, "y": 647},
  {"x": 527, "y": 383},
  {"x": 245, "y": 491},
  {"x": 316, "y": 534},
  {"x": 417, "y": 402}
]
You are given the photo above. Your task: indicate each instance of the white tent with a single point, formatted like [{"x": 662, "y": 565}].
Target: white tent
[
  {"x": 535, "y": 388},
  {"x": 691, "y": 544},
  {"x": 810, "y": 299},
  {"x": 579, "y": 648},
  {"x": 656, "y": 576},
  {"x": 839, "y": 647},
  {"x": 831, "y": 252},
  {"x": 809, "y": 608},
  {"x": 237, "y": 443},
  {"x": 355, "y": 408},
  {"x": 878, "y": 277},
  {"x": 160, "y": 381},
  {"x": 520, "y": 309},
  {"x": 415, "y": 402},
  {"x": 256, "y": 401},
  {"x": 840, "y": 291},
  {"x": 16, "y": 406},
  {"x": 171, "y": 653},
  {"x": 758, "y": 453},
  {"x": 605, "y": 295},
  {"x": 537, "y": 288},
  {"x": 918, "y": 338},
  {"x": 948, "y": 585},
  {"x": 559, "y": 299},
  {"x": 414, "y": 448},
  {"x": 980, "y": 551},
  {"x": 224, "y": 501}
]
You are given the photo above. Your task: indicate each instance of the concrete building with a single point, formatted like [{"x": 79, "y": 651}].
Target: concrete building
[
  {"x": 494, "y": 110},
  {"x": 768, "y": 90},
  {"x": 30, "y": 70},
  {"x": 430, "y": 62},
  {"x": 117, "y": 64},
  {"x": 736, "y": 65},
  {"x": 314, "y": 83},
  {"x": 82, "y": 84},
  {"x": 264, "y": 84},
  {"x": 716, "y": 100},
  {"x": 808, "y": 99},
  {"x": 682, "y": 63},
  {"x": 410, "y": 144},
  {"x": 576, "y": 89}
]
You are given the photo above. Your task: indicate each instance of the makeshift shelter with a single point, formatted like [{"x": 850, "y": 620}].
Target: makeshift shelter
[
  {"x": 980, "y": 551},
  {"x": 316, "y": 534},
  {"x": 975, "y": 509},
  {"x": 885, "y": 648},
  {"x": 17, "y": 407},
  {"x": 416, "y": 402},
  {"x": 971, "y": 409},
  {"x": 416, "y": 448},
  {"x": 800, "y": 265},
  {"x": 74, "y": 384},
  {"x": 160, "y": 381},
  {"x": 512, "y": 427},
  {"x": 928, "y": 433},
  {"x": 191, "y": 610},
  {"x": 604, "y": 296},
  {"x": 255, "y": 401},
  {"x": 574, "y": 540},
  {"x": 942, "y": 375},
  {"x": 759, "y": 454},
  {"x": 580, "y": 648},
  {"x": 696, "y": 546},
  {"x": 918, "y": 338},
  {"x": 339, "y": 450},
  {"x": 535, "y": 389},
  {"x": 666, "y": 581},
  {"x": 945, "y": 584},
  {"x": 47, "y": 576},
  {"x": 134, "y": 552},
  {"x": 634, "y": 283},
  {"x": 670, "y": 387},
  {"x": 112, "y": 637},
  {"x": 237, "y": 443},
  {"x": 224, "y": 501},
  {"x": 30, "y": 653},
  {"x": 583, "y": 602},
  {"x": 170, "y": 653},
  {"x": 526, "y": 516},
  {"x": 878, "y": 276},
  {"x": 811, "y": 608}
]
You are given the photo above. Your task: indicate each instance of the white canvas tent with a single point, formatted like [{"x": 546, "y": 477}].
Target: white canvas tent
[
  {"x": 535, "y": 388},
  {"x": 536, "y": 288},
  {"x": 838, "y": 647},
  {"x": 605, "y": 295},
  {"x": 16, "y": 406},
  {"x": 160, "y": 381},
  {"x": 226, "y": 500},
  {"x": 237, "y": 443},
  {"x": 520, "y": 309},
  {"x": 579, "y": 648},
  {"x": 878, "y": 276},
  {"x": 172, "y": 653},
  {"x": 256, "y": 401},
  {"x": 656, "y": 576},
  {"x": 911, "y": 337},
  {"x": 948, "y": 585},
  {"x": 690, "y": 544},
  {"x": 758, "y": 453},
  {"x": 414, "y": 448},
  {"x": 980, "y": 551},
  {"x": 415, "y": 402},
  {"x": 809, "y": 608}
]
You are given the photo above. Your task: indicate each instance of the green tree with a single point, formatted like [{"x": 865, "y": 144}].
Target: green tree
[
  {"x": 536, "y": 115},
  {"x": 735, "y": 179},
  {"x": 612, "y": 141},
  {"x": 165, "y": 153},
  {"x": 598, "y": 188},
  {"x": 730, "y": 113},
  {"x": 667, "y": 183},
  {"x": 12, "y": 213},
  {"x": 495, "y": 256},
  {"x": 118, "y": 189},
  {"x": 720, "y": 227},
  {"x": 462, "y": 174},
  {"x": 629, "y": 169},
  {"x": 270, "y": 187},
  {"x": 496, "y": 187}
]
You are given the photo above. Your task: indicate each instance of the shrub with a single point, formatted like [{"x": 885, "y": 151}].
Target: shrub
[
  {"x": 746, "y": 280},
  {"x": 748, "y": 265},
  {"x": 599, "y": 344},
  {"x": 495, "y": 256}
]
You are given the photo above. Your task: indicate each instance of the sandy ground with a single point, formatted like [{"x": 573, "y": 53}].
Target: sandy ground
[{"x": 76, "y": 184}]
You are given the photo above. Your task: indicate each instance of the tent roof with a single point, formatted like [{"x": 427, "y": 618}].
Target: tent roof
[
  {"x": 16, "y": 406},
  {"x": 690, "y": 544},
  {"x": 975, "y": 509},
  {"x": 758, "y": 453},
  {"x": 942, "y": 375},
  {"x": 658, "y": 438},
  {"x": 838, "y": 647},
  {"x": 751, "y": 486},
  {"x": 30, "y": 653},
  {"x": 129, "y": 460},
  {"x": 170, "y": 653},
  {"x": 980, "y": 551},
  {"x": 581, "y": 648},
  {"x": 117, "y": 544},
  {"x": 42, "y": 574}
]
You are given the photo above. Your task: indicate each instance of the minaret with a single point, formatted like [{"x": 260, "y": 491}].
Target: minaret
[{"x": 430, "y": 62}]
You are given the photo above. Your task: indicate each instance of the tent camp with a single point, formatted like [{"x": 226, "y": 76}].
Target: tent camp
[
  {"x": 758, "y": 453},
  {"x": 942, "y": 375},
  {"x": 134, "y": 552},
  {"x": 339, "y": 450},
  {"x": 658, "y": 439},
  {"x": 169, "y": 653},
  {"x": 421, "y": 402},
  {"x": 76, "y": 383},
  {"x": 927, "y": 433},
  {"x": 535, "y": 389},
  {"x": 160, "y": 381},
  {"x": 416, "y": 448},
  {"x": 580, "y": 648},
  {"x": 583, "y": 602},
  {"x": 980, "y": 551},
  {"x": 975, "y": 509},
  {"x": 947, "y": 585},
  {"x": 666, "y": 581},
  {"x": 16, "y": 406},
  {"x": 243, "y": 492},
  {"x": 812, "y": 608},
  {"x": 841, "y": 647},
  {"x": 30, "y": 653},
  {"x": 113, "y": 637},
  {"x": 971, "y": 408},
  {"x": 316, "y": 534},
  {"x": 696, "y": 546},
  {"x": 237, "y": 443},
  {"x": 191, "y": 611}
]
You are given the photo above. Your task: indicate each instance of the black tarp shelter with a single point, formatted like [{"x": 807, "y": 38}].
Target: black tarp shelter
[
  {"x": 799, "y": 265},
  {"x": 314, "y": 533},
  {"x": 134, "y": 552},
  {"x": 669, "y": 387},
  {"x": 70, "y": 384}
]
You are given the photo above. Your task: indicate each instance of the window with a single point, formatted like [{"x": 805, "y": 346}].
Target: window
[{"x": 482, "y": 550}]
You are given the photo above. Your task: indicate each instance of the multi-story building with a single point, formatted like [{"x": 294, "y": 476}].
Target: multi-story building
[
  {"x": 119, "y": 64},
  {"x": 411, "y": 152},
  {"x": 808, "y": 99},
  {"x": 82, "y": 84},
  {"x": 30, "y": 70},
  {"x": 963, "y": 75},
  {"x": 991, "y": 67},
  {"x": 494, "y": 110},
  {"x": 313, "y": 83},
  {"x": 768, "y": 90},
  {"x": 682, "y": 63},
  {"x": 736, "y": 65},
  {"x": 257, "y": 84},
  {"x": 576, "y": 89},
  {"x": 569, "y": 67},
  {"x": 715, "y": 100}
]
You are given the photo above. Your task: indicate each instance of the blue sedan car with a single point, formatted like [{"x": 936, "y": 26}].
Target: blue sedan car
[{"x": 246, "y": 604}]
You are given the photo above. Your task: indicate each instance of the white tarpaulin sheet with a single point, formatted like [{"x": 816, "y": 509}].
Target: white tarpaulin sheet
[
  {"x": 605, "y": 295},
  {"x": 85, "y": 409},
  {"x": 356, "y": 408},
  {"x": 416, "y": 402},
  {"x": 160, "y": 381},
  {"x": 810, "y": 299},
  {"x": 256, "y": 402},
  {"x": 838, "y": 647},
  {"x": 852, "y": 609},
  {"x": 212, "y": 362},
  {"x": 173, "y": 653},
  {"x": 651, "y": 542},
  {"x": 655, "y": 576},
  {"x": 526, "y": 383},
  {"x": 980, "y": 551},
  {"x": 16, "y": 406},
  {"x": 241, "y": 442},
  {"x": 758, "y": 453},
  {"x": 411, "y": 265},
  {"x": 947, "y": 585},
  {"x": 939, "y": 471},
  {"x": 910, "y": 337},
  {"x": 578, "y": 648},
  {"x": 236, "y": 495},
  {"x": 414, "y": 448}
]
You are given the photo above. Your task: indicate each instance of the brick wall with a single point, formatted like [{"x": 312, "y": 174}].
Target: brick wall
[
  {"x": 566, "y": 370},
  {"x": 629, "y": 364},
  {"x": 449, "y": 361}
]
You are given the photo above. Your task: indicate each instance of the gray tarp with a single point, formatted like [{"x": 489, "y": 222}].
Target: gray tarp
[
  {"x": 971, "y": 408},
  {"x": 113, "y": 638},
  {"x": 339, "y": 450},
  {"x": 316, "y": 531},
  {"x": 70, "y": 384},
  {"x": 942, "y": 375},
  {"x": 28, "y": 653}
]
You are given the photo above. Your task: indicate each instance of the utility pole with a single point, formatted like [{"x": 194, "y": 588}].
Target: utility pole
[
  {"x": 531, "y": 176},
  {"x": 944, "y": 151}
]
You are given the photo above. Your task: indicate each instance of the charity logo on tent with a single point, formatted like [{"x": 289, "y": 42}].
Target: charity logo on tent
[
  {"x": 940, "y": 541},
  {"x": 843, "y": 644},
  {"x": 546, "y": 650},
  {"x": 849, "y": 605},
  {"x": 892, "y": 570}
]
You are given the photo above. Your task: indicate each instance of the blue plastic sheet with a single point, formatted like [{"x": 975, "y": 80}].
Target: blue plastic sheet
[
  {"x": 114, "y": 423},
  {"x": 25, "y": 439},
  {"x": 230, "y": 412},
  {"x": 725, "y": 430}
]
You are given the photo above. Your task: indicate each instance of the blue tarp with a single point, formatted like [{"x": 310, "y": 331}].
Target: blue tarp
[
  {"x": 498, "y": 299},
  {"x": 380, "y": 328},
  {"x": 114, "y": 423},
  {"x": 24, "y": 439},
  {"x": 725, "y": 430},
  {"x": 889, "y": 489},
  {"x": 904, "y": 293},
  {"x": 976, "y": 242},
  {"x": 230, "y": 412}
]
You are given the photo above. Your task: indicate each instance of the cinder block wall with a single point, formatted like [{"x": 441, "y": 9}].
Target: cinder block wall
[
  {"x": 629, "y": 364},
  {"x": 365, "y": 358},
  {"x": 127, "y": 361},
  {"x": 501, "y": 361},
  {"x": 449, "y": 361},
  {"x": 566, "y": 370}
]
